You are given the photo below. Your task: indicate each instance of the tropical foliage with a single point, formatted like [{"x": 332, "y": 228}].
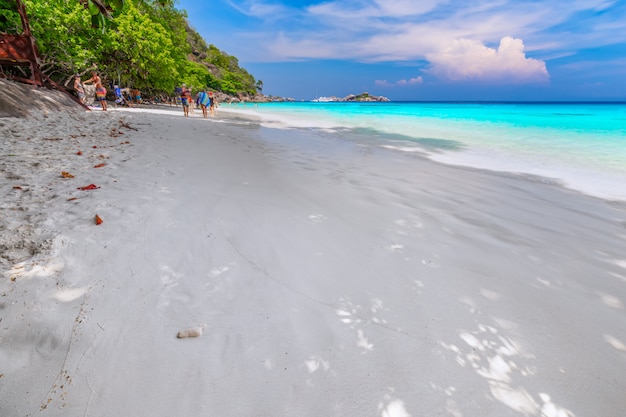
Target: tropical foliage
[
  {"x": 9, "y": 19},
  {"x": 144, "y": 44}
]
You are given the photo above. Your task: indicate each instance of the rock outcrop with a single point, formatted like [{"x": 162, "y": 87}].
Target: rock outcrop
[
  {"x": 363, "y": 97},
  {"x": 260, "y": 98}
]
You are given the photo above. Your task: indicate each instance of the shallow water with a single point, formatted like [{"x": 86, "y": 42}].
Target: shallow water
[{"x": 581, "y": 145}]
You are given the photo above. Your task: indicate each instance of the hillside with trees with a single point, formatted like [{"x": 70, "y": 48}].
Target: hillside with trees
[{"x": 143, "y": 44}]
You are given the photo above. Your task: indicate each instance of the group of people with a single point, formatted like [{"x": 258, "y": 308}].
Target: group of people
[
  {"x": 101, "y": 91},
  {"x": 204, "y": 100},
  {"x": 126, "y": 96}
]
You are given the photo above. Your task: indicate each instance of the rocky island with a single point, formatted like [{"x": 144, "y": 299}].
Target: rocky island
[
  {"x": 352, "y": 97},
  {"x": 261, "y": 98}
]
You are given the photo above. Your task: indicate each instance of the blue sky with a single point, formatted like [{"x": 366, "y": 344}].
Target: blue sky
[{"x": 424, "y": 49}]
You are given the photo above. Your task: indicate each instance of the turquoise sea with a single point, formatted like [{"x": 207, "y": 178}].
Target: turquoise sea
[{"x": 581, "y": 145}]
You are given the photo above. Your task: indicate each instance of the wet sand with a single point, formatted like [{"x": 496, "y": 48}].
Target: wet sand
[{"x": 333, "y": 279}]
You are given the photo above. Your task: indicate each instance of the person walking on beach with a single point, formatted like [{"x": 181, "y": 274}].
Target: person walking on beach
[
  {"x": 191, "y": 106},
  {"x": 78, "y": 87},
  {"x": 203, "y": 101},
  {"x": 101, "y": 92},
  {"x": 186, "y": 99},
  {"x": 211, "y": 103}
]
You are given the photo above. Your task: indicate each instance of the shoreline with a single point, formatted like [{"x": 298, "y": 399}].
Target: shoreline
[
  {"x": 598, "y": 175},
  {"x": 228, "y": 113},
  {"x": 333, "y": 280}
]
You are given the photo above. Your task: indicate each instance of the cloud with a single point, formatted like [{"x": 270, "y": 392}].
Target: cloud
[
  {"x": 502, "y": 40},
  {"x": 260, "y": 9},
  {"x": 411, "y": 81},
  {"x": 416, "y": 80},
  {"x": 466, "y": 59},
  {"x": 373, "y": 9}
]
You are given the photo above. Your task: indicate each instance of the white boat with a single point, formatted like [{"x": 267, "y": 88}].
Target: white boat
[{"x": 325, "y": 99}]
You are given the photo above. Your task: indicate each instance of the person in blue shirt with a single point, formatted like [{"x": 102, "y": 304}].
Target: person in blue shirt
[{"x": 203, "y": 101}]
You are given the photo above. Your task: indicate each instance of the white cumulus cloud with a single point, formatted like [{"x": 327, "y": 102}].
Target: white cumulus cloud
[
  {"x": 467, "y": 59},
  {"x": 411, "y": 81}
]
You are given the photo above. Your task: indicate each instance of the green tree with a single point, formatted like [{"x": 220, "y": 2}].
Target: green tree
[
  {"x": 101, "y": 10},
  {"x": 147, "y": 44},
  {"x": 140, "y": 51},
  {"x": 9, "y": 18},
  {"x": 195, "y": 75},
  {"x": 65, "y": 39}
]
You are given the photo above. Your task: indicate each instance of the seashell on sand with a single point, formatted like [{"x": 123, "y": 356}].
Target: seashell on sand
[{"x": 191, "y": 332}]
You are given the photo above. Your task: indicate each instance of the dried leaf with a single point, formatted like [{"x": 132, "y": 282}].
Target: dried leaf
[
  {"x": 65, "y": 174},
  {"x": 127, "y": 126},
  {"x": 98, "y": 220},
  {"x": 79, "y": 153},
  {"x": 99, "y": 165},
  {"x": 88, "y": 187}
]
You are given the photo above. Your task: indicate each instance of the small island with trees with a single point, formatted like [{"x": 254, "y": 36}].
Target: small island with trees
[{"x": 363, "y": 97}]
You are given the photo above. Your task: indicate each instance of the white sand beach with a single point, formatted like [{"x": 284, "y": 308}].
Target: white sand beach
[{"x": 320, "y": 278}]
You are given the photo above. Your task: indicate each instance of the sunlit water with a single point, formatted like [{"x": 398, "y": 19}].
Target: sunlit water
[{"x": 581, "y": 145}]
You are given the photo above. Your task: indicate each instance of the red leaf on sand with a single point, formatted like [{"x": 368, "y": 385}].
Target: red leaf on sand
[
  {"x": 88, "y": 187},
  {"x": 72, "y": 198},
  {"x": 99, "y": 165},
  {"x": 66, "y": 174},
  {"x": 98, "y": 220},
  {"x": 17, "y": 187},
  {"x": 94, "y": 146},
  {"x": 79, "y": 153}
]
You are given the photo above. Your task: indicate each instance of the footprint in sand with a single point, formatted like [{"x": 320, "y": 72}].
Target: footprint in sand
[
  {"x": 430, "y": 262},
  {"x": 615, "y": 342},
  {"x": 317, "y": 218},
  {"x": 396, "y": 248}
]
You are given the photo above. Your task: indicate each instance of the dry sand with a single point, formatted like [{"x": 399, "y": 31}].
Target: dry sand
[{"x": 320, "y": 278}]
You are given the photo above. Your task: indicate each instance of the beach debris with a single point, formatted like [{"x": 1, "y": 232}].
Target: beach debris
[
  {"x": 88, "y": 187},
  {"x": 115, "y": 133},
  {"x": 17, "y": 187},
  {"x": 127, "y": 126},
  {"x": 95, "y": 147},
  {"x": 99, "y": 165},
  {"x": 98, "y": 220},
  {"x": 72, "y": 198},
  {"x": 79, "y": 153},
  {"x": 191, "y": 332},
  {"x": 66, "y": 174}
]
